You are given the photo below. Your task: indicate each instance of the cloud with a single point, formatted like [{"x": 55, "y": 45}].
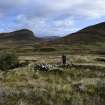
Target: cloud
[{"x": 50, "y": 17}]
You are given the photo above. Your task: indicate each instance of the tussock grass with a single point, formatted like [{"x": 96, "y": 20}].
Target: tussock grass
[{"x": 79, "y": 85}]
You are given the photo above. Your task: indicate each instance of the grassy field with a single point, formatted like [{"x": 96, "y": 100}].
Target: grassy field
[{"x": 81, "y": 84}]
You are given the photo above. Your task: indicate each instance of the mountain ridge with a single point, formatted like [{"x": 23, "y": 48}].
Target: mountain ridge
[
  {"x": 89, "y": 35},
  {"x": 22, "y": 34},
  {"x": 20, "y": 41}
]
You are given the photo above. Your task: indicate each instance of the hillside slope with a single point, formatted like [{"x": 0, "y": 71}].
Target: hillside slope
[
  {"x": 89, "y": 35},
  {"x": 18, "y": 40},
  {"x": 90, "y": 39},
  {"x": 20, "y": 35}
]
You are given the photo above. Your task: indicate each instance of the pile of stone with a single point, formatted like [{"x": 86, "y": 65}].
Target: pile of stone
[
  {"x": 50, "y": 67},
  {"x": 46, "y": 67}
]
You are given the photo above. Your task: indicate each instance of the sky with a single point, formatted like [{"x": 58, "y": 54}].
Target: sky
[{"x": 50, "y": 17}]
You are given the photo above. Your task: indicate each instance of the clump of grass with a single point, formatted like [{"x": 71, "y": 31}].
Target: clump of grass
[
  {"x": 35, "y": 76},
  {"x": 8, "y": 61},
  {"x": 91, "y": 89}
]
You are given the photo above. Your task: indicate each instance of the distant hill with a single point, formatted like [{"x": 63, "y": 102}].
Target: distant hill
[
  {"x": 21, "y": 39},
  {"x": 20, "y": 35},
  {"x": 90, "y": 35},
  {"x": 89, "y": 40}
]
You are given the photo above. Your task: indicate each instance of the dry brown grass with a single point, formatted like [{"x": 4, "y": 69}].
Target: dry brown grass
[{"x": 72, "y": 86}]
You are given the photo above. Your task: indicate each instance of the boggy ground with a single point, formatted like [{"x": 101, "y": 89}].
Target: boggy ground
[{"x": 82, "y": 84}]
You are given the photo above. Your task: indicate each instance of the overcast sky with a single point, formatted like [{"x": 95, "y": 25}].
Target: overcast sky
[{"x": 50, "y": 17}]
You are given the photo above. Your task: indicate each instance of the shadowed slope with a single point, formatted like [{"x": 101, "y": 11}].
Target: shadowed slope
[
  {"x": 89, "y": 35},
  {"x": 20, "y": 40}
]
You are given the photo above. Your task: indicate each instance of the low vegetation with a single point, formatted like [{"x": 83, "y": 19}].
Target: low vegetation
[
  {"x": 76, "y": 85},
  {"x": 8, "y": 61}
]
